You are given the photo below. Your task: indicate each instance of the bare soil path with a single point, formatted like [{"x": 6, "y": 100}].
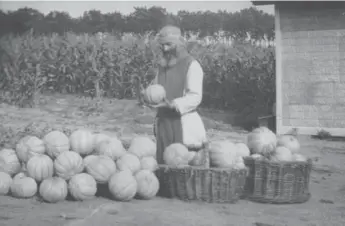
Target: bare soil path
[{"x": 125, "y": 119}]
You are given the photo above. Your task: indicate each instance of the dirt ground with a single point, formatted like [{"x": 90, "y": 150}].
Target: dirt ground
[{"x": 125, "y": 118}]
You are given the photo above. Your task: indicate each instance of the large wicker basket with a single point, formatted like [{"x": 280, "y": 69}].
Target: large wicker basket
[
  {"x": 201, "y": 183},
  {"x": 277, "y": 183}
]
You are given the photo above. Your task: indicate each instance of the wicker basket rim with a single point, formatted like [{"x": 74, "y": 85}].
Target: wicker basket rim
[
  {"x": 309, "y": 161},
  {"x": 201, "y": 168}
]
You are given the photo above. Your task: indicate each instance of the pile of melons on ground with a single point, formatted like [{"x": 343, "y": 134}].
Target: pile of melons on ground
[
  {"x": 57, "y": 165},
  {"x": 266, "y": 145}
]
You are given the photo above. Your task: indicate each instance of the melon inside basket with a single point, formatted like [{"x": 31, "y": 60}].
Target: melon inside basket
[
  {"x": 278, "y": 170},
  {"x": 202, "y": 182}
]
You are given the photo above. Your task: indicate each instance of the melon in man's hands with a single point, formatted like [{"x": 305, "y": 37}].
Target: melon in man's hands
[{"x": 154, "y": 94}]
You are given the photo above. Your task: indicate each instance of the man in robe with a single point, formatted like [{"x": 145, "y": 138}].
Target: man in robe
[{"x": 177, "y": 119}]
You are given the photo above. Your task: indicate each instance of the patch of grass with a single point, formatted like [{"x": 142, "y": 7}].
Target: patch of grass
[
  {"x": 322, "y": 135},
  {"x": 327, "y": 136}
]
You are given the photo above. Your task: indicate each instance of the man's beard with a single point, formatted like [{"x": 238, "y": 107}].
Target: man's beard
[{"x": 168, "y": 59}]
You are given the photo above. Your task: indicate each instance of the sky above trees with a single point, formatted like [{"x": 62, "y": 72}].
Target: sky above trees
[{"x": 77, "y": 8}]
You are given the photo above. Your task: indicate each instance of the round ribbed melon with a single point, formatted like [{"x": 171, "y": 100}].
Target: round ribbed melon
[
  {"x": 142, "y": 146},
  {"x": 9, "y": 162},
  {"x": 29, "y": 146},
  {"x": 128, "y": 162},
  {"x": 68, "y": 164},
  {"x": 23, "y": 187},
  {"x": 53, "y": 189},
  {"x": 149, "y": 163},
  {"x": 55, "y": 143},
  {"x": 82, "y": 186},
  {"x": 82, "y": 141},
  {"x": 148, "y": 184},
  {"x": 154, "y": 94},
  {"x": 40, "y": 167},
  {"x": 112, "y": 148},
  {"x": 176, "y": 155},
  {"x": 122, "y": 185},
  {"x": 101, "y": 168},
  {"x": 262, "y": 141}
]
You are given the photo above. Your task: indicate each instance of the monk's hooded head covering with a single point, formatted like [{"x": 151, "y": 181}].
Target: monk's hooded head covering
[{"x": 171, "y": 36}]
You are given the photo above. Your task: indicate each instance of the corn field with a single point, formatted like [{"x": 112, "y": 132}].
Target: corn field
[{"x": 237, "y": 76}]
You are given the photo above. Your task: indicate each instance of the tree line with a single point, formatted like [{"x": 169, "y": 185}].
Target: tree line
[{"x": 236, "y": 25}]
